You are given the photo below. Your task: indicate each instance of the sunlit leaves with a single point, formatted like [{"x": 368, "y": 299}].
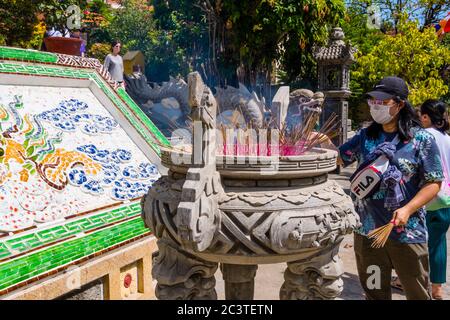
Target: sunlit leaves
[{"x": 417, "y": 56}]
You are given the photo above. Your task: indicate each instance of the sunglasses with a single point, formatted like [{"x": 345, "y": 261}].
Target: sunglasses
[{"x": 371, "y": 102}]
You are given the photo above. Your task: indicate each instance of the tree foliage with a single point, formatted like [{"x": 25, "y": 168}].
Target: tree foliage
[
  {"x": 427, "y": 12},
  {"x": 416, "y": 56},
  {"x": 261, "y": 32},
  {"x": 182, "y": 44},
  {"x": 366, "y": 39},
  {"x": 99, "y": 51},
  {"x": 224, "y": 36},
  {"x": 133, "y": 25},
  {"x": 20, "y": 23},
  {"x": 57, "y": 14},
  {"x": 225, "y": 40}
]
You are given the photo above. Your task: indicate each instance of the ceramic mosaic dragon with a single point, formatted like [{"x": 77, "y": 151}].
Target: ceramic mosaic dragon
[
  {"x": 35, "y": 168},
  {"x": 28, "y": 144}
]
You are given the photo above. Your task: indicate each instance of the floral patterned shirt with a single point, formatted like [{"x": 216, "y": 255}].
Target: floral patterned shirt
[{"x": 419, "y": 161}]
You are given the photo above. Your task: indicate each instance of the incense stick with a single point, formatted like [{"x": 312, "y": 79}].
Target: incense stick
[{"x": 381, "y": 235}]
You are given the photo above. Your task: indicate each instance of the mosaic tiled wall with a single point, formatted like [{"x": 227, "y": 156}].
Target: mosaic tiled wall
[
  {"x": 70, "y": 176},
  {"x": 62, "y": 153}
]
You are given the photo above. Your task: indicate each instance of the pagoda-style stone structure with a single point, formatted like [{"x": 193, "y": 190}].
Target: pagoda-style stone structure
[{"x": 334, "y": 61}]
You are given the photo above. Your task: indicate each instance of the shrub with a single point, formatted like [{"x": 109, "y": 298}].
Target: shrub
[
  {"x": 416, "y": 56},
  {"x": 99, "y": 51}
]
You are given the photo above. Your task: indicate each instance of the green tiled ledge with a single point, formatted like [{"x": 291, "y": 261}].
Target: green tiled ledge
[
  {"x": 27, "y": 55},
  {"x": 62, "y": 249},
  {"x": 41, "y": 262},
  {"x": 144, "y": 119},
  {"x": 22, "y": 244}
]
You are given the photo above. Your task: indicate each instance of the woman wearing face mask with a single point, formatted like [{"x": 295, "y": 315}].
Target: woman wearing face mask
[
  {"x": 413, "y": 179},
  {"x": 434, "y": 117}
]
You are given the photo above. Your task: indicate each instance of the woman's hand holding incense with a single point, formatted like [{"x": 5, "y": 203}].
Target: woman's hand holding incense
[{"x": 401, "y": 216}]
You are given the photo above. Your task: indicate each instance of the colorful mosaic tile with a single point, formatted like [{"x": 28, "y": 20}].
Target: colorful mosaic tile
[
  {"x": 151, "y": 134},
  {"x": 56, "y": 160},
  {"x": 38, "y": 263},
  {"x": 39, "y": 238},
  {"x": 97, "y": 73}
]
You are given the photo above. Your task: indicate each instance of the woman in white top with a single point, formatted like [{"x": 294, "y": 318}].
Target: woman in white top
[
  {"x": 434, "y": 117},
  {"x": 114, "y": 62}
]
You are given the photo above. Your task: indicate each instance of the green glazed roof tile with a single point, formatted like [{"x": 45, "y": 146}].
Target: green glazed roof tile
[
  {"x": 27, "y": 55},
  {"x": 39, "y": 262},
  {"x": 4, "y": 252},
  {"x": 40, "y": 238}
]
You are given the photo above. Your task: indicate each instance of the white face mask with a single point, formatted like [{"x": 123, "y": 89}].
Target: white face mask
[{"x": 380, "y": 113}]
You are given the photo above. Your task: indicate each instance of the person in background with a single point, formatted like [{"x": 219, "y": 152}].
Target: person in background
[
  {"x": 114, "y": 63},
  {"x": 77, "y": 34},
  {"x": 137, "y": 71},
  {"x": 52, "y": 32},
  {"x": 56, "y": 33},
  {"x": 413, "y": 178},
  {"x": 434, "y": 117}
]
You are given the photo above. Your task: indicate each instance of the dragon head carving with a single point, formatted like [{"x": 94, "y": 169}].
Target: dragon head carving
[
  {"x": 197, "y": 216},
  {"x": 301, "y": 103}
]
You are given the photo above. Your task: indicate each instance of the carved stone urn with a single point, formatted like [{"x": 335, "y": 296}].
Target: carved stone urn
[{"x": 240, "y": 212}]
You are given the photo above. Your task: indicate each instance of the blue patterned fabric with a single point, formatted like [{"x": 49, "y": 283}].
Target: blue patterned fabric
[
  {"x": 415, "y": 162},
  {"x": 391, "y": 179},
  {"x": 391, "y": 184}
]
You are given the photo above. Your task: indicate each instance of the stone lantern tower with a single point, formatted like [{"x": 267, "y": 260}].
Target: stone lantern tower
[{"x": 334, "y": 61}]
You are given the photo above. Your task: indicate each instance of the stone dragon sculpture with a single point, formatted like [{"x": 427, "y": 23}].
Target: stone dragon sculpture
[
  {"x": 197, "y": 214},
  {"x": 229, "y": 98},
  {"x": 302, "y": 102},
  {"x": 253, "y": 109},
  {"x": 141, "y": 92},
  {"x": 204, "y": 215}
]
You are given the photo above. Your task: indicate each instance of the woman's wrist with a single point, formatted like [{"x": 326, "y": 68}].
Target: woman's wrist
[{"x": 410, "y": 209}]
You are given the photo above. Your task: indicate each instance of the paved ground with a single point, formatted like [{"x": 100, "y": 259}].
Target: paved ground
[{"x": 269, "y": 278}]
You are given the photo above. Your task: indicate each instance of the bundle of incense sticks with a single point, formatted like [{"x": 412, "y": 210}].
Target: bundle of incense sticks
[
  {"x": 328, "y": 131},
  {"x": 381, "y": 235},
  {"x": 302, "y": 137},
  {"x": 295, "y": 140}
]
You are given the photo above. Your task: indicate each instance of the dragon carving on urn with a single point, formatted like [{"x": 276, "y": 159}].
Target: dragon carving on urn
[{"x": 197, "y": 214}]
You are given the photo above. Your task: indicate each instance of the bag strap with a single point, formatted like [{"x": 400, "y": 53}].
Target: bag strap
[{"x": 395, "y": 142}]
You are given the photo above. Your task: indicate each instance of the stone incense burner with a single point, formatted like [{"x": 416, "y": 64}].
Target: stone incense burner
[{"x": 241, "y": 212}]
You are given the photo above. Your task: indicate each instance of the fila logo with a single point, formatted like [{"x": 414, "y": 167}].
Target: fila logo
[{"x": 363, "y": 186}]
